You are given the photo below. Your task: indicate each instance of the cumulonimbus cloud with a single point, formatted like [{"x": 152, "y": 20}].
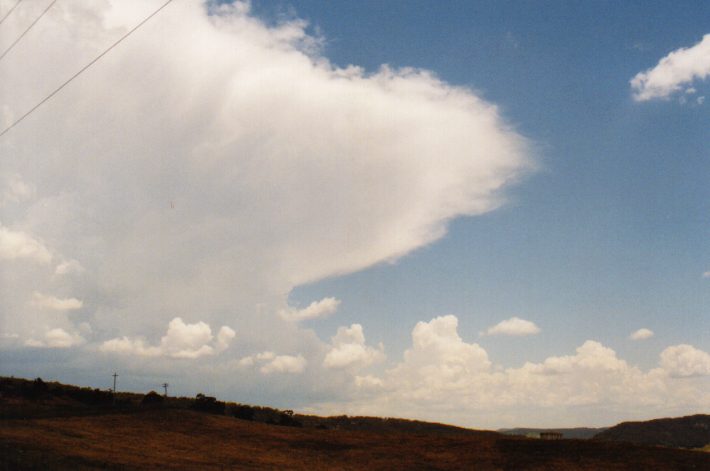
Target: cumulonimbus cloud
[
  {"x": 211, "y": 163},
  {"x": 674, "y": 71}
]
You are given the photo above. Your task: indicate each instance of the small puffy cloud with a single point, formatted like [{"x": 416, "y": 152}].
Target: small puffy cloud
[
  {"x": 706, "y": 274},
  {"x": 129, "y": 346},
  {"x": 513, "y": 326},
  {"x": 270, "y": 362},
  {"x": 44, "y": 301},
  {"x": 674, "y": 71},
  {"x": 368, "y": 382},
  {"x": 68, "y": 267},
  {"x": 14, "y": 190},
  {"x": 316, "y": 309},
  {"x": 56, "y": 338},
  {"x": 641, "y": 334},
  {"x": 20, "y": 245},
  {"x": 684, "y": 361},
  {"x": 182, "y": 340},
  {"x": 700, "y": 100},
  {"x": 285, "y": 364},
  {"x": 348, "y": 349},
  {"x": 224, "y": 338}
]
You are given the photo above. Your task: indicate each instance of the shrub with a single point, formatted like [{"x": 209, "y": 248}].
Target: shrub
[{"x": 152, "y": 399}]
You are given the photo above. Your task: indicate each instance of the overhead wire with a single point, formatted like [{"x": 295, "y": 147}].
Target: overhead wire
[
  {"x": 10, "y": 11},
  {"x": 96, "y": 59},
  {"x": 27, "y": 30}
]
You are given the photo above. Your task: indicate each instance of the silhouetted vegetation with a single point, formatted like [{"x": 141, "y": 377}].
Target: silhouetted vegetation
[
  {"x": 208, "y": 404},
  {"x": 152, "y": 399}
]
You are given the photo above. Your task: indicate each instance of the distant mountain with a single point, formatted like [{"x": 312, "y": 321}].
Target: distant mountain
[
  {"x": 692, "y": 431},
  {"x": 582, "y": 433}
]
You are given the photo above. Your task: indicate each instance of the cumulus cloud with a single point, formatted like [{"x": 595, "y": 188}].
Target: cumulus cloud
[
  {"x": 513, "y": 326},
  {"x": 443, "y": 377},
  {"x": 68, "y": 267},
  {"x": 182, "y": 340},
  {"x": 56, "y": 338},
  {"x": 269, "y": 362},
  {"x": 685, "y": 361},
  {"x": 14, "y": 189},
  {"x": 674, "y": 71},
  {"x": 316, "y": 309},
  {"x": 44, "y": 301},
  {"x": 285, "y": 364},
  {"x": 21, "y": 245},
  {"x": 348, "y": 349},
  {"x": 641, "y": 334}
]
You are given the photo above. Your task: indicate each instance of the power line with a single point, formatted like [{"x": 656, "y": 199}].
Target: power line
[
  {"x": 10, "y": 11},
  {"x": 27, "y": 30},
  {"x": 58, "y": 89}
]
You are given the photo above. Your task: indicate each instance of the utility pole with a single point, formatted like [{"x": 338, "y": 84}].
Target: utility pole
[
  {"x": 115, "y": 375},
  {"x": 165, "y": 386}
]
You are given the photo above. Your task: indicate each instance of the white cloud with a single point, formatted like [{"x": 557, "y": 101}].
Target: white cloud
[
  {"x": 14, "y": 189},
  {"x": 285, "y": 364},
  {"x": 700, "y": 100},
  {"x": 313, "y": 170},
  {"x": 20, "y": 245},
  {"x": 56, "y": 338},
  {"x": 513, "y": 326},
  {"x": 44, "y": 301},
  {"x": 706, "y": 274},
  {"x": 685, "y": 360},
  {"x": 221, "y": 163},
  {"x": 180, "y": 341},
  {"x": 679, "y": 68},
  {"x": 68, "y": 267},
  {"x": 269, "y": 362},
  {"x": 444, "y": 378},
  {"x": 316, "y": 309},
  {"x": 641, "y": 334},
  {"x": 348, "y": 349}
]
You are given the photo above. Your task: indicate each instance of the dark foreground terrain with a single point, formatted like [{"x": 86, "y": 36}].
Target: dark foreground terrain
[
  {"x": 49, "y": 426},
  {"x": 183, "y": 439}
]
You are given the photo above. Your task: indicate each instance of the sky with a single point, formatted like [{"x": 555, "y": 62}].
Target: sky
[{"x": 489, "y": 214}]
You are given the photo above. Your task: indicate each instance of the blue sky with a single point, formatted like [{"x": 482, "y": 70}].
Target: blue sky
[
  {"x": 611, "y": 233},
  {"x": 453, "y": 211}
]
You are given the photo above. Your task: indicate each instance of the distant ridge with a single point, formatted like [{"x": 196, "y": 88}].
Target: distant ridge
[
  {"x": 581, "y": 433},
  {"x": 692, "y": 431}
]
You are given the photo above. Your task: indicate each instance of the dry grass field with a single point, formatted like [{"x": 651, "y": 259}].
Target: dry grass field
[{"x": 184, "y": 439}]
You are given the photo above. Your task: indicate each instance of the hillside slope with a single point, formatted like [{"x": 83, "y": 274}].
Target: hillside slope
[
  {"x": 184, "y": 439},
  {"x": 692, "y": 431}
]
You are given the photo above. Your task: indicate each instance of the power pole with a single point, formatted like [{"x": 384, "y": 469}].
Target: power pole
[
  {"x": 165, "y": 386},
  {"x": 115, "y": 375}
]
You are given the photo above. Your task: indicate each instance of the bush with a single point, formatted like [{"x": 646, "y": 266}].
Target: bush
[
  {"x": 208, "y": 404},
  {"x": 152, "y": 399}
]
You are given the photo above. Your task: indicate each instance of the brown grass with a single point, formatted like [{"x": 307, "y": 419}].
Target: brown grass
[{"x": 181, "y": 439}]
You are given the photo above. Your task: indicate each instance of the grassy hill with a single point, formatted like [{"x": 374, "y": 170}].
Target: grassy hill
[
  {"x": 687, "y": 432},
  {"x": 103, "y": 432}
]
